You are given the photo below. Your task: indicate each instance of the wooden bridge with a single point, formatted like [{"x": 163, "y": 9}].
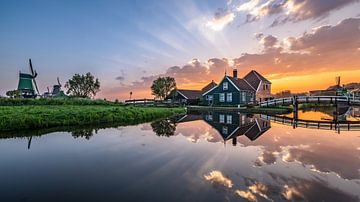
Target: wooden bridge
[
  {"x": 351, "y": 101},
  {"x": 337, "y": 125}
]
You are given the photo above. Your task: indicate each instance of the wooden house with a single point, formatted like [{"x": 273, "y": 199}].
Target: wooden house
[
  {"x": 260, "y": 84},
  {"x": 231, "y": 91},
  {"x": 190, "y": 97}
]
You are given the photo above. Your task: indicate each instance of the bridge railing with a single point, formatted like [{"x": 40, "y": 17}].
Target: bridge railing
[{"x": 309, "y": 99}]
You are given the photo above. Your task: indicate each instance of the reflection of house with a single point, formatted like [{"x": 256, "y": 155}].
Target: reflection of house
[
  {"x": 230, "y": 125},
  {"x": 238, "y": 91},
  {"x": 184, "y": 96}
]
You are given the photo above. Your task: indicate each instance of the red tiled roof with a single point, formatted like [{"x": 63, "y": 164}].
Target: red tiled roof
[
  {"x": 254, "y": 79},
  {"x": 190, "y": 94},
  {"x": 211, "y": 85},
  {"x": 241, "y": 83}
]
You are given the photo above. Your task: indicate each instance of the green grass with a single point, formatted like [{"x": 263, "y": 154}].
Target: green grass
[
  {"x": 45, "y": 116},
  {"x": 56, "y": 101}
]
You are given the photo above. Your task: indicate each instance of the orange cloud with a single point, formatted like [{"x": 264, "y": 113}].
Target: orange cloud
[{"x": 310, "y": 61}]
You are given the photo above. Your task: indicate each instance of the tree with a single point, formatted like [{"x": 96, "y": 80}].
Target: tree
[
  {"x": 85, "y": 86},
  {"x": 162, "y": 86},
  {"x": 13, "y": 93}
]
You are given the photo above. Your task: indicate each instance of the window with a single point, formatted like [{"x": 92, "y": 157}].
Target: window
[
  {"x": 243, "y": 96},
  {"x": 266, "y": 87},
  {"x": 251, "y": 97},
  {"x": 222, "y": 118},
  {"x": 229, "y": 97},
  {"x": 209, "y": 97},
  {"x": 210, "y": 117},
  {"x": 243, "y": 119},
  {"x": 225, "y": 130},
  {"x": 225, "y": 86},
  {"x": 222, "y": 97},
  {"x": 229, "y": 119}
]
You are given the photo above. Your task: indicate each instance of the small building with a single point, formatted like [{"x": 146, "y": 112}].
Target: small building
[
  {"x": 260, "y": 84},
  {"x": 183, "y": 96},
  {"x": 231, "y": 91},
  {"x": 190, "y": 97}
]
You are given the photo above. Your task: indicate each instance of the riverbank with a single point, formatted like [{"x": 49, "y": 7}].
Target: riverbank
[
  {"x": 46, "y": 116},
  {"x": 253, "y": 110}
]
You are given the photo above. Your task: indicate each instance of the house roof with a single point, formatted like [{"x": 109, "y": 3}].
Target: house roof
[
  {"x": 241, "y": 83},
  {"x": 211, "y": 85},
  {"x": 254, "y": 79},
  {"x": 190, "y": 94}
]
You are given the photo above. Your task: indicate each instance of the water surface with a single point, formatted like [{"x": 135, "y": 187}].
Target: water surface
[{"x": 198, "y": 157}]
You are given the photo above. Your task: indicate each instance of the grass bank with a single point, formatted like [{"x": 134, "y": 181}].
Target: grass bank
[
  {"x": 56, "y": 101},
  {"x": 46, "y": 116}
]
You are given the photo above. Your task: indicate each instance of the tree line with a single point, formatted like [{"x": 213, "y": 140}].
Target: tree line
[{"x": 87, "y": 86}]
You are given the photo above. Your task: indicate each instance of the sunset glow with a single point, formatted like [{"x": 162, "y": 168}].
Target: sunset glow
[{"x": 298, "y": 46}]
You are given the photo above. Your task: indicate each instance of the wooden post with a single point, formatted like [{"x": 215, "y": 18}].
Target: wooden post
[{"x": 295, "y": 111}]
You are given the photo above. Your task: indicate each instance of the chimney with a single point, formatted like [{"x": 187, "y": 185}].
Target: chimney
[{"x": 235, "y": 73}]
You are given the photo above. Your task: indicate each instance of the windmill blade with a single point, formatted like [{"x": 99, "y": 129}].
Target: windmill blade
[
  {"x": 31, "y": 67},
  {"x": 36, "y": 87},
  {"x": 58, "y": 81}
]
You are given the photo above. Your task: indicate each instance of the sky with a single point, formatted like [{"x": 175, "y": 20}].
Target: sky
[{"x": 299, "y": 45}]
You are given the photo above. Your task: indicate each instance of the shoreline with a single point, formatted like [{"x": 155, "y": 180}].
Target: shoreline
[
  {"x": 255, "y": 110},
  {"x": 29, "y": 117}
]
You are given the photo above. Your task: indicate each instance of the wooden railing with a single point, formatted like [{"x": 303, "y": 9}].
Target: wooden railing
[
  {"x": 315, "y": 124},
  {"x": 310, "y": 99}
]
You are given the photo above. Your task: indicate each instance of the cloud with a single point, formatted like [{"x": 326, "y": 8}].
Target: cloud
[
  {"x": 216, "y": 177},
  {"x": 120, "y": 78},
  {"x": 309, "y": 52},
  {"x": 220, "y": 20},
  {"x": 326, "y": 48},
  {"x": 290, "y": 10}
]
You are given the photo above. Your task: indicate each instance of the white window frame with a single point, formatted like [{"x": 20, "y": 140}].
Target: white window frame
[
  {"x": 229, "y": 119},
  {"x": 229, "y": 97},
  {"x": 221, "y": 118},
  {"x": 221, "y": 97},
  {"x": 225, "y": 85}
]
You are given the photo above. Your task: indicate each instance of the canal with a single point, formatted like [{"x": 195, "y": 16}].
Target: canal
[{"x": 207, "y": 156}]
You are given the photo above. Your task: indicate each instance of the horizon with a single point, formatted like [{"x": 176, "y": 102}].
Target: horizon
[{"x": 298, "y": 46}]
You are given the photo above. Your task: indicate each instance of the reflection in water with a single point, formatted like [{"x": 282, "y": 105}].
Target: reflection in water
[
  {"x": 83, "y": 133},
  {"x": 217, "y": 178},
  {"x": 165, "y": 127},
  {"x": 268, "y": 161}
]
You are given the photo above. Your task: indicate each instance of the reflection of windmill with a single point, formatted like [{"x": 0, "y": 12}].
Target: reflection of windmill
[{"x": 27, "y": 82}]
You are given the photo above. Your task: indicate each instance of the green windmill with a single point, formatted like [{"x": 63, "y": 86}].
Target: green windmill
[{"x": 27, "y": 83}]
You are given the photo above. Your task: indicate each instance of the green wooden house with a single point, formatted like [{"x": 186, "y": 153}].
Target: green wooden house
[{"x": 231, "y": 91}]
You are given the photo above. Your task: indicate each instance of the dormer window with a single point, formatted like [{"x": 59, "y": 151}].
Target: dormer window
[{"x": 225, "y": 86}]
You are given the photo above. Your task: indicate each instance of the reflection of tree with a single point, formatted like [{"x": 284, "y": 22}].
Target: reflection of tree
[
  {"x": 164, "y": 127},
  {"x": 87, "y": 133}
]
